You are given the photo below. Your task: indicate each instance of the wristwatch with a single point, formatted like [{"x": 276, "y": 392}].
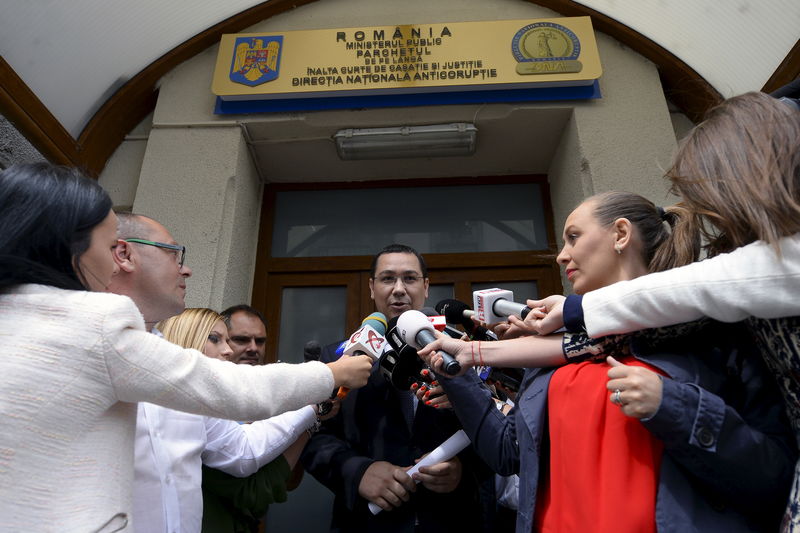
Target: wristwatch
[{"x": 323, "y": 408}]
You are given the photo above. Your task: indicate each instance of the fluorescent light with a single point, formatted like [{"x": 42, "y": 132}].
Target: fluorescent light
[{"x": 438, "y": 140}]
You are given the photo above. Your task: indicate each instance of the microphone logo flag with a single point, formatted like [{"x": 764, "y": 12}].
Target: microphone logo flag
[{"x": 365, "y": 340}]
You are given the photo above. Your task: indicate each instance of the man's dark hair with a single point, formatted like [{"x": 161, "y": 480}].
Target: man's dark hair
[
  {"x": 244, "y": 308},
  {"x": 398, "y": 249}
]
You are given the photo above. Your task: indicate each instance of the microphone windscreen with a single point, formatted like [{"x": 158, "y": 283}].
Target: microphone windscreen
[
  {"x": 376, "y": 321},
  {"x": 453, "y": 311},
  {"x": 312, "y": 351},
  {"x": 429, "y": 311}
]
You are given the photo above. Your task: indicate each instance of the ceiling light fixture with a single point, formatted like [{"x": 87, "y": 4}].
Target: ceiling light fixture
[{"x": 437, "y": 140}]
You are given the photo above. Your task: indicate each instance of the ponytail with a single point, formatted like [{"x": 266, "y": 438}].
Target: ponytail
[{"x": 681, "y": 244}]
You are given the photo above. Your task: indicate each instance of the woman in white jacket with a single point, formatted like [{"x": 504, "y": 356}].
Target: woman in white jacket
[
  {"x": 75, "y": 361},
  {"x": 739, "y": 172}
]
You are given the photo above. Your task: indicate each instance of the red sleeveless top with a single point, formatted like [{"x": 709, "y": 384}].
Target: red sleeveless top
[{"x": 602, "y": 474}]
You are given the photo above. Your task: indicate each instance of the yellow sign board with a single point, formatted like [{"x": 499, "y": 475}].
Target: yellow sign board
[{"x": 458, "y": 56}]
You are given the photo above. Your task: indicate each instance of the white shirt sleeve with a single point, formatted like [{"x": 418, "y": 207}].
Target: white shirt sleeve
[
  {"x": 750, "y": 281},
  {"x": 144, "y": 368},
  {"x": 241, "y": 449}
]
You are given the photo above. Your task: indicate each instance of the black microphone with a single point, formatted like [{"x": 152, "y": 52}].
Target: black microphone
[
  {"x": 393, "y": 336},
  {"x": 457, "y": 312},
  {"x": 312, "y": 351},
  {"x": 400, "y": 364}
]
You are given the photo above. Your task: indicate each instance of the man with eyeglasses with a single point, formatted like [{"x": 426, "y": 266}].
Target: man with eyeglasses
[
  {"x": 170, "y": 446},
  {"x": 362, "y": 454},
  {"x": 152, "y": 270}
]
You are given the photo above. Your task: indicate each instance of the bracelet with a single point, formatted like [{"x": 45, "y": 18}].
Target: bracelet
[
  {"x": 480, "y": 354},
  {"x": 578, "y": 347},
  {"x": 315, "y": 426}
]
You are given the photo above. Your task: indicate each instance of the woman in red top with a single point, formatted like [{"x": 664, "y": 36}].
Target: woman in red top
[{"x": 601, "y": 436}]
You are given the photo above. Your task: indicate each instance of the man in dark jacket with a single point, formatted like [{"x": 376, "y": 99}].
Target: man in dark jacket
[{"x": 363, "y": 453}]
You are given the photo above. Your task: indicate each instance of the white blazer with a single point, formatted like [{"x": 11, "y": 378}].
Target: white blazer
[{"x": 72, "y": 364}]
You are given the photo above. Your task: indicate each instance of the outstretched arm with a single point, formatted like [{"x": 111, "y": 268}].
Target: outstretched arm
[
  {"x": 750, "y": 281},
  {"x": 523, "y": 352},
  {"x": 241, "y": 449},
  {"x": 528, "y": 351}
]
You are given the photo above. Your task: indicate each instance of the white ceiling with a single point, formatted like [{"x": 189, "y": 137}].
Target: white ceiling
[{"x": 73, "y": 54}]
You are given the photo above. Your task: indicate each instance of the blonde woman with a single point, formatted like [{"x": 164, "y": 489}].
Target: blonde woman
[{"x": 248, "y": 464}]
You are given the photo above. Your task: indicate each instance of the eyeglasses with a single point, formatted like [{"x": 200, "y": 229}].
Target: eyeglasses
[
  {"x": 408, "y": 280},
  {"x": 174, "y": 247}
]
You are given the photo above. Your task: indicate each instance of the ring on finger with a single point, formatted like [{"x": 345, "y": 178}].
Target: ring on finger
[{"x": 615, "y": 398}]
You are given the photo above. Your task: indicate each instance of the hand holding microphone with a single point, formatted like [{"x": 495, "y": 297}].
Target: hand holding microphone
[
  {"x": 367, "y": 340},
  {"x": 417, "y": 331},
  {"x": 403, "y": 368},
  {"x": 351, "y": 372},
  {"x": 427, "y": 389},
  {"x": 359, "y": 351},
  {"x": 461, "y": 351},
  {"x": 550, "y": 314}
]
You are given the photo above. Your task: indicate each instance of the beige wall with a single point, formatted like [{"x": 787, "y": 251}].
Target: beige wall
[
  {"x": 197, "y": 177},
  {"x": 120, "y": 177}
]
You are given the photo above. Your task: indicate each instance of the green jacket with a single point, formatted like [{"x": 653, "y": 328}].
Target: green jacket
[{"x": 235, "y": 505}]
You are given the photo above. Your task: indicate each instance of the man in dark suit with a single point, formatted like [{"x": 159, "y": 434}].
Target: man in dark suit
[{"x": 363, "y": 453}]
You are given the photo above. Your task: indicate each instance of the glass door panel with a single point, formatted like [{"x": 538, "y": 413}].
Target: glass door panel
[
  {"x": 304, "y": 307},
  {"x": 310, "y": 313}
]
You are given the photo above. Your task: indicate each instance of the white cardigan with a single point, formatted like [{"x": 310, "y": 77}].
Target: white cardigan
[
  {"x": 750, "y": 281},
  {"x": 71, "y": 366}
]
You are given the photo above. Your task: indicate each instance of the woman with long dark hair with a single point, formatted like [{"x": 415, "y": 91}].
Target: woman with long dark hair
[{"x": 75, "y": 360}]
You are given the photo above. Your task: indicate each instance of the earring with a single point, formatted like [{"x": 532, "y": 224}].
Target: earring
[{"x": 618, "y": 249}]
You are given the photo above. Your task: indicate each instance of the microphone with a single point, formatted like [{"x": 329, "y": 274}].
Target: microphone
[
  {"x": 457, "y": 312},
  {"x": 367, "y": 340},
  {"x": 439, "y": 322},
  {"x": 415, "y": 329},
  {"x": 312, "y": 351},
  {"x": 495, "y": 305},
  {"x": 399, "y": 364}
]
